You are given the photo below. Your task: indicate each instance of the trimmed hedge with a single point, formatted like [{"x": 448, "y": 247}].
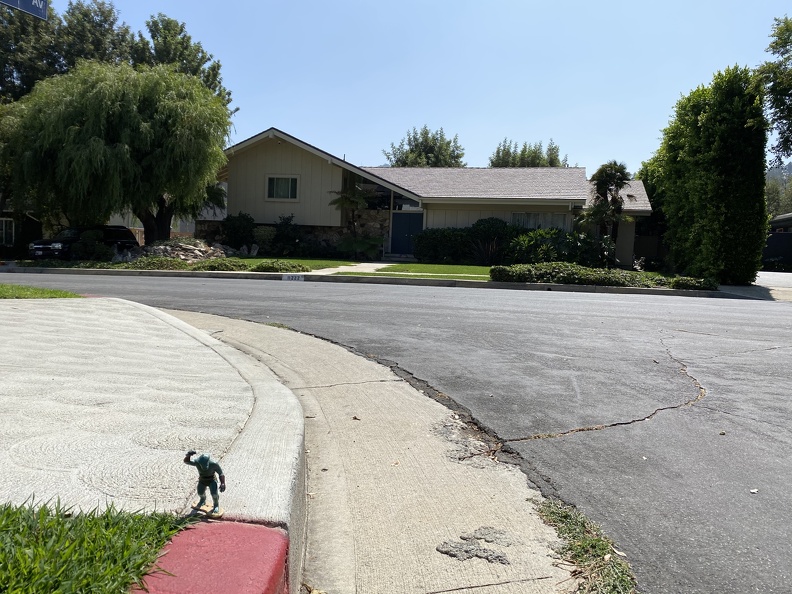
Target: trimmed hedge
[
  {"x": 156, "y": 263},
  {"x": 448, "y": 245},
  {"x": 687, "y": 282},
  {"x": 279, "y": 266},
  {"x": 564, "y": 273},
  {"x": 493, "y": 241},
  {"x": 221, "y": 264}
]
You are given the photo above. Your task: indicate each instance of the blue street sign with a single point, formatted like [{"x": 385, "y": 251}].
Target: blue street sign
[{"x": 38, "y": 8}]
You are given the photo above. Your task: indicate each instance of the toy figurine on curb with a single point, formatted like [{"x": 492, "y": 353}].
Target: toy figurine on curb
[{"x": 207, "y": 468}]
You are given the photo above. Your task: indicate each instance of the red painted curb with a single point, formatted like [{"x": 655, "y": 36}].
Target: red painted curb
[{"x": 222, "y": 557}]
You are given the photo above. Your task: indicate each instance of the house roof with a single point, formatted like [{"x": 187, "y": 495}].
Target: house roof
[
  {"x": 436, "y": 184},
  {"x": 636, "y": 200},
  {"x": 507, "y": 185},
  {"x": 781, "y": 220}
]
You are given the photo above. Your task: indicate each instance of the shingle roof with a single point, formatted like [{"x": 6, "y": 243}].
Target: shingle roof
[
  {"x": 539, "y": 183},
  {"x": 636, "y": 200}
]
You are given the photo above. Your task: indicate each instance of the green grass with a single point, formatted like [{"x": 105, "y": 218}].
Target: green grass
[
  {"x": 445, "y": 269},
  {"x": 439, "y": 271},
  {"x": 602, "y": 569},
  {"x": 47, "y": 549},
  {"x": 313, "y": 264},
  {"x": 20, "y": 292},
  {"x": 483, "y": 278}
]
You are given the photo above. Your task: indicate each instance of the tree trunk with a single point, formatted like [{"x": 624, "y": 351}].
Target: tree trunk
[
  {"x": 149, "y": 225},
  {"x": 163, "y": 218},
  {"x": 156, "y": 227}
]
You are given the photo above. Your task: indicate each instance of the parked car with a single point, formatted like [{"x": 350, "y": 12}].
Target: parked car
[{"x": 60, "y": 246}]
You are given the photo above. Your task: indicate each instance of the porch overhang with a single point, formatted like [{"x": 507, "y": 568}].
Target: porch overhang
[{"x": 564, "y": 203}]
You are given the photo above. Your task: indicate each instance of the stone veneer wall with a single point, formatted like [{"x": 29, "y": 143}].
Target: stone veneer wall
[{"x": 371, "y": 223}]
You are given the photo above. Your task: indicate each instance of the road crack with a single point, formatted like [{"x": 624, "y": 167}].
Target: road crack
[
  {"x": 491, "y": 585},
  {"x": 701, "y": 394},
  {"x": 363, "y": 383}
]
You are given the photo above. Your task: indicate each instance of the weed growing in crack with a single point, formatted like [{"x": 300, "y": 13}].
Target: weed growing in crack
[{"x": 601, "y": 568}]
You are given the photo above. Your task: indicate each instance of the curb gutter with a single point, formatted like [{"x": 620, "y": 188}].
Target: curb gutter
[{"x": 382, "y": 280}]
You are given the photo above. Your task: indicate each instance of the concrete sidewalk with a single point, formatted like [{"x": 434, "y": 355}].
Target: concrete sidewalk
[
  {"x": 403, "y": 496},
  {"x": 103, "y": 397}
]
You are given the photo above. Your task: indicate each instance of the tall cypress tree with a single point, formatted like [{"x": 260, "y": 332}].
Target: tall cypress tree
[{"x": 710, "y": 172}]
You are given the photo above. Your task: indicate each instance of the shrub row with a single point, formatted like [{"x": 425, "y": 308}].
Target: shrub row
[
  {"x": 165, "y": 263},
  {"x": 284, "y": 238},
  {"x": 573, "y": 274},
  {"x": 216, "y": 264},
  {"x": 493, "y": 242},
  {"x": 279, "y": 266}
]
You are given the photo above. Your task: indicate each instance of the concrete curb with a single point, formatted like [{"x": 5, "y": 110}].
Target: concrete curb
[
  {"x": 214, "y": 557},
  {"x": 385, "y": 280},
  {"x": 268, "y": 456}
]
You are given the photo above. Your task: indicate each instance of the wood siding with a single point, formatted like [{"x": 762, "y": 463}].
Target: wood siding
[
  {"x": 439, "y": 216},
  {"x": 249, "y": 169}
]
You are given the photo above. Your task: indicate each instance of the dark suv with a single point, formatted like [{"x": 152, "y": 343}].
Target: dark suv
[{"x": 60, "y": 245}]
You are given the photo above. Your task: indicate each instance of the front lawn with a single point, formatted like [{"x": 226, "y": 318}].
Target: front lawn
[
  {"x": 49, "y": 549},
  {"x": 547, "y": 272},
  {"x": 21, "y": 292},
  {"x": 445, "y": 269},
  {"x": 469, "y": 277}
]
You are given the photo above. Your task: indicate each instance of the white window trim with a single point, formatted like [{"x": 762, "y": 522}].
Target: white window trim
[
  {"x": 281, "y": 176},
  {"x": 567, "y": 219}
]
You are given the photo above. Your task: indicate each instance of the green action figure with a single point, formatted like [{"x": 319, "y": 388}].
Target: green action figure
[{"x": 207, "y": 468}]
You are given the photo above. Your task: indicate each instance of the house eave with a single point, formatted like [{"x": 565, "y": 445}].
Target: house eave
[{"x": 515, "y": 201}]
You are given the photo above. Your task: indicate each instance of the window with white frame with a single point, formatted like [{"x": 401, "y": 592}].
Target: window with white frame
[
  {"x": 282, "y": 188},
  {"x": 7, "y": 232},
  {"x": 541, "y": 220}
]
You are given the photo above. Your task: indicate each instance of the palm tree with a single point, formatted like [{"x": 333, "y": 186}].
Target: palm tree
[
  {"x": 606, "y": 208},
  {"x": 349, "y": 202}
]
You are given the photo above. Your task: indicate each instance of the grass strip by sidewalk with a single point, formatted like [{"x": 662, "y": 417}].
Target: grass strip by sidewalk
[
  {"x": 49, "y": 549},
  {"x": 435, "y": 271},
  {"x": 602, "y": 568},
  {"x": 469, "y": 277},
  {"x": 21, "y": 292},
  {"x": 420, "y": 268}
]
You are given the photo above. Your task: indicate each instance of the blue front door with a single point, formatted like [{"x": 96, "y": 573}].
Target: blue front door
[{"x": 405, "y": 226}]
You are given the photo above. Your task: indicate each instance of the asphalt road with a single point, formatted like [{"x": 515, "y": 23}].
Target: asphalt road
[{"x": 665, "y": 419}]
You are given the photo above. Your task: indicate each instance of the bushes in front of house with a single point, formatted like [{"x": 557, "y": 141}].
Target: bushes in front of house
[
  {"x": 493, "y": 241},
  {"x": 220, "y": 264},
  {"x": 279, "y": 266},
  {"x": 155, "y": 263},
  {"x": 484, "y": 243},
  {"x": 264, "y": 237},
  {"x": 690, "y": 283},
  {"x": 441, "y": 246},
  {"x": 237, "y": 230},
  {"x": 566, "y": 273}
]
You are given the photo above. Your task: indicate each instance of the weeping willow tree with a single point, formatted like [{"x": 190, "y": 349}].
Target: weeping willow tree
[{"x": 104, "y": 139}]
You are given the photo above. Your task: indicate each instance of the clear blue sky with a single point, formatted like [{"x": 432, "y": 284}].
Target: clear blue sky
[{"x": 350, "y": 76}]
